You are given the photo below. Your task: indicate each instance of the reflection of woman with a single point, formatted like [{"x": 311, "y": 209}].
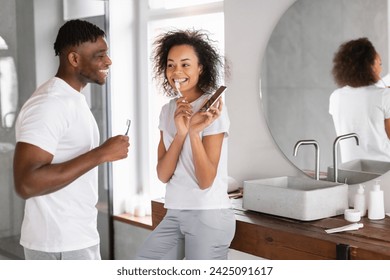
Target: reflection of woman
[{"x": 359, "y": 105}]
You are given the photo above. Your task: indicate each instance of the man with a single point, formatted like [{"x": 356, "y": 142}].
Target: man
[{"x": 57, "y": 152}]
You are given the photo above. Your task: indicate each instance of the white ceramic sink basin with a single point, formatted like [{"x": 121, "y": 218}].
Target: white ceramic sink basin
[
  {"x": 298, "y": 198},
  {"x": 359, "y": 171}
]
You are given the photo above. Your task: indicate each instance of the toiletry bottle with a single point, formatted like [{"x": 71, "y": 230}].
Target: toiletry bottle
[
  {"x": 376, "y": 208},
  {"x": 360, "y": 201}
]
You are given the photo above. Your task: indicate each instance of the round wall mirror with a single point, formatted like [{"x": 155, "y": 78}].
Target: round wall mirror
[{"x": 296, "y": 80}]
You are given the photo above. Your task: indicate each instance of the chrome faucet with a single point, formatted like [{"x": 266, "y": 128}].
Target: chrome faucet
[
  {"x": 317, "y": 148},
  {"x": 335, "y": 144}
]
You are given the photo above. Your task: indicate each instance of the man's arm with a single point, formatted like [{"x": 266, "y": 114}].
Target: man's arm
[
  {"x": 387, "y": 127},
  {"x": 35, "y": 175}
]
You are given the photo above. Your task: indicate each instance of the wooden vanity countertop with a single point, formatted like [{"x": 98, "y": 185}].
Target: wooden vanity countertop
[{"x": 279, "y": 238}]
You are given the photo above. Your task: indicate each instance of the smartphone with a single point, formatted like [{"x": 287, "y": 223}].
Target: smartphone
[{"x": 213, "y": 99}]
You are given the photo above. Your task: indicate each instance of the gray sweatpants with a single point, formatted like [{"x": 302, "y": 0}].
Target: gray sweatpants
[
  {"x": 91, "y": 253},
  {"x": 191, "y": 234}
]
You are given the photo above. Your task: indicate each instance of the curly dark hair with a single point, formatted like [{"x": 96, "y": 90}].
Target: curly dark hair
[
  {"x": 353, "y": 63},
  {"x": 76, "y": 32},
  {"x": 207, "y": 54}
]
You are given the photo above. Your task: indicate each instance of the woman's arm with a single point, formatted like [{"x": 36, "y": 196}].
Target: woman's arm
[
  {"x": 206, "y": 152},
  {"x": 167, "y": 160}
]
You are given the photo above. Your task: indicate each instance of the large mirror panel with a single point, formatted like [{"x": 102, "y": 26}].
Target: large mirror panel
[{"x": 296, "y": 80}]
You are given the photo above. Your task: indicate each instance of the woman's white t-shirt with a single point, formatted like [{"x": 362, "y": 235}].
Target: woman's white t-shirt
[
  {"x": 182, "y": 190},
  {"x": 362, "y": 110}
]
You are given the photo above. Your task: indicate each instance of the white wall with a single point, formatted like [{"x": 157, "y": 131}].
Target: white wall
[
  {"x": 48, "y": 19},
  {"x": 252, "y": 150}
]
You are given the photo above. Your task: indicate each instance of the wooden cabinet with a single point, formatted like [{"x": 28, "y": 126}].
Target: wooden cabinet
[{"x": 279, "y": 238}]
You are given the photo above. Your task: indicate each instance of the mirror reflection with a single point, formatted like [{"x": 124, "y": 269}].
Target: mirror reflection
[
  {"x": 296, "y": 78},
  {"x": 8, "y": 86}
]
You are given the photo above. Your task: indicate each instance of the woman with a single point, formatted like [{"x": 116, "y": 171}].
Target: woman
[
  {"x": 192, "y": 158},
  {"x": 359, "y": 105}
]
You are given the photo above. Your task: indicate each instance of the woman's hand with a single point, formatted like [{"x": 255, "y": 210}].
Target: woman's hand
[
  {"x": 200, "y": 120},
  {"x": 183, "y": 115}
]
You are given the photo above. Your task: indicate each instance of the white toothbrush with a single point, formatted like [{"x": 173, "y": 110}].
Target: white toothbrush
[
  {"x": 177, "y": 85},
  {"x": 128, "y": 123},
  {"x": 354, "y": 226}
]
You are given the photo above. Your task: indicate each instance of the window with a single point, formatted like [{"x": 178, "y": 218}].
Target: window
[{"x": 154, "y": 17}]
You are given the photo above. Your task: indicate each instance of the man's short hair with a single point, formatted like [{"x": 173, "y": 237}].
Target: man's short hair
[{"x": 76, "y": 32}]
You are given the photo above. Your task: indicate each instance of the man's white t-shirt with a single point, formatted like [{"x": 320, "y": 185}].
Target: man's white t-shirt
[
  {"x": 57, "y": 119},
  {"x": 362, "y": 110},
  {"x": 182, "y": 190}
]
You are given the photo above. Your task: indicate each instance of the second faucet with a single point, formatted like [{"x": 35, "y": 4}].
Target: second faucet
[{"x": 335, "y": 158}]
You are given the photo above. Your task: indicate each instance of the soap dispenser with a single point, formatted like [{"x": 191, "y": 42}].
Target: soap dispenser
[
  {"x": 360, "y": 201},
  {"x": 376, "y": 207}
]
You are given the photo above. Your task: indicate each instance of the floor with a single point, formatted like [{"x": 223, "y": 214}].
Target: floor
[
  {"x": 10, "y": 249},
  {"x": 5, "y": 257}
]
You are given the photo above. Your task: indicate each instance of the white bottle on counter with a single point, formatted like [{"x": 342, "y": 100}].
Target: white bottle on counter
[
  {"x": 376, "y": 205},
  {"x": 360, "y": 201}
]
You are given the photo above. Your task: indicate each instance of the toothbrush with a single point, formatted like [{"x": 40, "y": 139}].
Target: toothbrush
[
  {"x": 354, "y": 226},
  {"x": 177, "y": 85},
  {"x": 128, "y": 123}
]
